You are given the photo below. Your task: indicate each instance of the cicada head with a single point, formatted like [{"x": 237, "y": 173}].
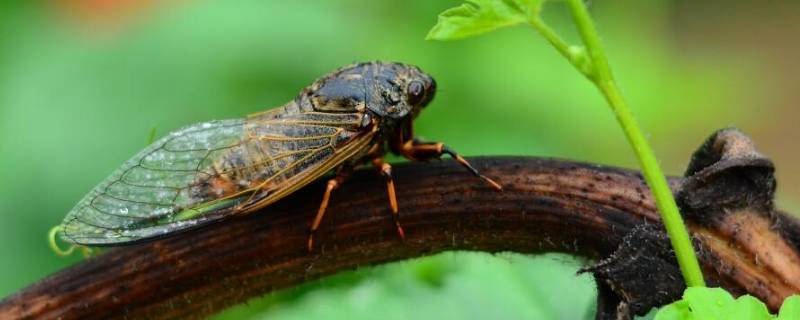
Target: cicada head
[{"x": 388, "y": 89}]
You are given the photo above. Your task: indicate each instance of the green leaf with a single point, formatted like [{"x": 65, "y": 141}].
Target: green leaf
[
  {"x": 707, "y": 303},
  {"x": 790, "y": 308},
  {"x": 715, "y": 303},
  {"x": 678, "y": 310},
  {"x": 748, "y": 307},
  {"x": 448, "y": 285},
  {"x": 480, "y": 16}
]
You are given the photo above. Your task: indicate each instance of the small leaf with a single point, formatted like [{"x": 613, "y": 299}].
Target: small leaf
[
  {"x": 790, "y": 308},
  {"x": 480, "y": 16},
  {"x": 707, "y": 303},
  {"x": 679, "y": 310},
  {"x": 716, "y": 303},
  {"x": 748, "y": 307}
]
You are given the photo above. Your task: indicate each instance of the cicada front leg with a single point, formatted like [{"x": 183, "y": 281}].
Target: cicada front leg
[{"x": 417, "y": 150}]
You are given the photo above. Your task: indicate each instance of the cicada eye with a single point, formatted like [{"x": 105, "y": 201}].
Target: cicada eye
[{"x": 416, "y": 91}]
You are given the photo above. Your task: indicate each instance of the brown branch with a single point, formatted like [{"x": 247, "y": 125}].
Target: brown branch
[{"x": 547, "y": 205}]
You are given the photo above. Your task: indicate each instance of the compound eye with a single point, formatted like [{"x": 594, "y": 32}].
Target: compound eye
[{"x": 416, "y": 91}]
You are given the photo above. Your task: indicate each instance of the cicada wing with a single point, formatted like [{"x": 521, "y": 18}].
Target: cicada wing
[
  {"x": 314, "y": 166},
  {"x": 138, "y": 199},
  {"x": 172, "y": 184}
]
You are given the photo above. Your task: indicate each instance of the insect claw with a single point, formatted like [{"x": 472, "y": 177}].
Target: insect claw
[
  {"x": 494, "y": 184},
  {"x": 400, "y": 231},
  {"x": 310, "y": 243},
  {"x": 471, "y": 169}
]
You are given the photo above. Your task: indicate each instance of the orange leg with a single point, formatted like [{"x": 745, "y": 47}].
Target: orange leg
[
  {"x": 423, "y": 151},
  {"x": 386, "y": 171},
  {"x": 332, "y": 185}
]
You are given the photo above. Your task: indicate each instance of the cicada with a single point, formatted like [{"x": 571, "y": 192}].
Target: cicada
[{"x": 212, "y": 170}]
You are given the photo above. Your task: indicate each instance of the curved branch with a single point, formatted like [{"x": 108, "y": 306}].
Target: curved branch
[{"x": 547, "y": 205}]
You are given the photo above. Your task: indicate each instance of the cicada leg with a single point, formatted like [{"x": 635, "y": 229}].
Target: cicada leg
[
  {"x": 416, "y": 150},
  {"x": 333, "y": 184},
  {"x": 386, "y": 171}
]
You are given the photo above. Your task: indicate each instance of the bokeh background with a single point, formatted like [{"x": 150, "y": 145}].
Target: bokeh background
[{"x": 82, "y": 82}]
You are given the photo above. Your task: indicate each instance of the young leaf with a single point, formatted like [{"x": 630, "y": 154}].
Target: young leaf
[
  {"x": 480, "y": 16},
  {"x": 790, "y": 308},
  {"x": 707, "y": 303},
  {"x": 678, "y": 310},
  {"x": 748, "y": 307},
  {"x": 715, "y": 303}
]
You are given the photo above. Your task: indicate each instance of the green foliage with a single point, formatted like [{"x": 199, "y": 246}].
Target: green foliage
[
  {"x": 716, "y": 303},
  {"x": 481, "y": 16},
  {"x": 450, "y": 285},
  {"x": 790, "y": 308}
]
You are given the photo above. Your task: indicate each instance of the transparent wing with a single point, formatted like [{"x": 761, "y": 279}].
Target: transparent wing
[
  {"x": 173, "y": 184},
  {"x": 134, "y": 201}
]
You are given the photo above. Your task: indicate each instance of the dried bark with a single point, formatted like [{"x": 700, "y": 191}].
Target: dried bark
[{"x": 548, "y": 205}]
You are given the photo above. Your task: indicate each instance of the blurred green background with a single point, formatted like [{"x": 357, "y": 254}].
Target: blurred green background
[{"x": 82, "y": 82}]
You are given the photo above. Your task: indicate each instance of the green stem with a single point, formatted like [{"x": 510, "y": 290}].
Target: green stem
[
  {"x": 576, "y": 58},
  {"x": 603, "y": 79},
  {"x": 551, "y": 36}
]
